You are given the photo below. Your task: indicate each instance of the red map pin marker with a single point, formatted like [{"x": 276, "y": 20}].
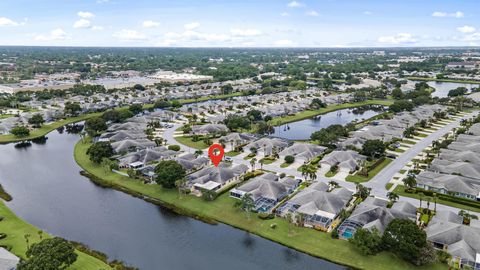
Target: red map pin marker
[{"x": 215, "y": 152}]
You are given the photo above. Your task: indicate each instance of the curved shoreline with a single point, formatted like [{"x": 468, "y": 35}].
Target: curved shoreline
[
  {"x": 16, "y": 228},
  {"x": 308, "y": 241}
]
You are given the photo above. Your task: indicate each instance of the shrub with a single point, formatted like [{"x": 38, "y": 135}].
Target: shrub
[
  {"x": 273, "y": 226},
  {"x": 266, "y": 216},
  {"x": 289, "y": 159},
  {"x": 174, "y": 147}
]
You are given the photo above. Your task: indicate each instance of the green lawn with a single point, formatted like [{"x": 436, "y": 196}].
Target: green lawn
[
  {"x": 5, "y": 116},
  {"x": 306, "y": 240},
  {"x": 16, "y": 229},
  {"x": 388, "y": 186},
  {"x": 284, "y": 165},
  {"x": 408, "y": 141},
  {"x": 330, "y": 174},
  {"x": 232, "y": 154},
  {"x": 398, "y": 150},
  {"x": 360, "y": 179},
  {"x": 311, "y": 113},
  {"x": 268, "y": 160},
  {"x": 402, "y": 171},
  {"x": 47, "y": 128},
  {"x": 187, "y": 140},
  {"x": 401, "y": 192}
]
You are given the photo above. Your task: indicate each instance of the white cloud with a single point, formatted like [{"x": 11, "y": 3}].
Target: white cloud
[
  {"x": 82, "y": 23},
  {"x": 85, "y": 14},
  {"x": 9, "y": 22},
  {"x": 472, "y": 37},
  {"x": 312, "y": 13},
  {"x": 401, "y": 38},
  {"x": 441, "y": 14},
  {"x": 295, "y": 4},
  {"x": 55, "y": 34},
  {"x": 466, "y": 29},
  {"x": 97, "y": 28},
  {"x": 284, "y": 14},
  {"x": 284, "y": 43},
  {"x": 367, "y": 12},
  {"x": 129, "y": 35},
  {"x": 192, "y": 25},
  {"x": 245, "y": 32},
  {"x": 150, "y": 24}
]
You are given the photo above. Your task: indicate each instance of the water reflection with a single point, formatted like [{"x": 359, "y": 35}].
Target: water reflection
[{"x": 60, "y": 201}]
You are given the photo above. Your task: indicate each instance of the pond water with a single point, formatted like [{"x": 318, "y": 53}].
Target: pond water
[
  {"x": 301, "y": 130},
  {"x": 49, "y": 192},
  {"x": 442, "y": 88}
]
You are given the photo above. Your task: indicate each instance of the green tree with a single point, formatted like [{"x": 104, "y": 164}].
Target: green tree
[
  {"x": 94, "y": 126},
  {"x": 49, "y": 254},
  {"x": 36, "y": 120},
  {"x": 289, "y": 159},
  {"x": 72, "y": 108},
  {"x": 169, "y": 171},
  {"x": 100, "y": 150},
  {"x": 392, "y": 196},
  {"x": 405, "y": 238},
  {"x": 366, "y": 241},
  {"x": 247, "y": 204},
  {"x": 265, "y": 128},
  {"x": 20, "y": 131},
  {"x": 397, "y": 93},
  {"x": 373, "y": 148},
  {"x": 136, "y": 108}
]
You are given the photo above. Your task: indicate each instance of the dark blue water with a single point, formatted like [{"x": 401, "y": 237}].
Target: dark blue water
[
  {"x": 49, "y": 193},
  {"x": 301, "y": 130}
]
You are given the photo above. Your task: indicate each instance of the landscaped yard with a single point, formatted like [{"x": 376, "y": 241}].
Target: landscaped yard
[
  {"x": 5, "y": 116},
  {"x": 360, "y": 179},
  {"x": 187, "y": 140},
  {"x": 232, "y": 154},
  {"x": 401, "y": 191},
  {"x": 16, "y": 229},
  {"x": 306, "y": 240}
]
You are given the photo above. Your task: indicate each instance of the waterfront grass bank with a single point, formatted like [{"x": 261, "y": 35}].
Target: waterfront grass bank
[
  {"x": 222, "y": 210},
  {"x": 16, "y": 229},
  {"x": 331, "y": 108}
]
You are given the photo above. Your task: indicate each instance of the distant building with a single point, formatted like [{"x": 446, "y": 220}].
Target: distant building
[{"x": 463, "y": 65}]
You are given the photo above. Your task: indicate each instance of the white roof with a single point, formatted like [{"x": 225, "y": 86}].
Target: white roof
[
  {"x": 8, "y": 261},
  {"x": 325, "y": 214},
  {"x": 210, "y": 185}
]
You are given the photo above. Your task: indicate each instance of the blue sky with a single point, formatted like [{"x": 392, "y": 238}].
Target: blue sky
[{"x": 240, "y": 23}]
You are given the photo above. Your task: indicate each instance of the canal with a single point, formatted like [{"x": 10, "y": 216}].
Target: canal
[{"x": 49, "y": 192}]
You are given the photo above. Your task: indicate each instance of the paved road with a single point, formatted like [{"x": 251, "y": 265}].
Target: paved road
[{"x": 378, "y": 182}]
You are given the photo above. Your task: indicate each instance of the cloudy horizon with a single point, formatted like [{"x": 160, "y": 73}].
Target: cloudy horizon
[{"x": 249, "y": 23}]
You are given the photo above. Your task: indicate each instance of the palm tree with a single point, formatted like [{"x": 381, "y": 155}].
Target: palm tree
[
  {"x": 333, "y": 184},
  {"x": 466, "y": 216},
  {"x": 435, "y": 202},
  {"x": 409, "y": 182},
  {"x": 247, "y": 204},
  {"x": 27, "y": 240},
  {"x": 362, "y": 191},
  {"x": 40, "y": 234},
  {"x": 392, "y": 196},
  {"x": 252, "y": 163},
  {"x": 180, "y": 184},
  {"x": 262, "y": 161},
  {"x": 420, "y": 197}
]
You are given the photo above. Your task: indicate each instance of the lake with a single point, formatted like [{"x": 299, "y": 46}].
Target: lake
[
  {"x": 442, "y": 88},
  {"x": 301, "y": 130},
  {"x": 49, "y": 192}
]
